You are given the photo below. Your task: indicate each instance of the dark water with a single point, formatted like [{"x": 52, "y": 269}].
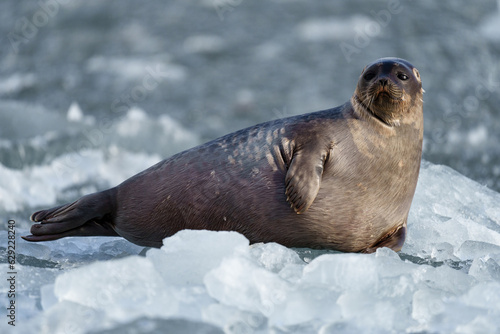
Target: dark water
[{"x": 219, "y": 65}]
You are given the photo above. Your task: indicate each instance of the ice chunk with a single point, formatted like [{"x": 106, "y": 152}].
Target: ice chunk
[
  {"x": 242, "y": 283},
  {"x": 343, "y": 327},
  {"x": 489, "y": 27},
  {"x": 484, "y": 295},
  {"x": 471, "y": 249},
  {"x": 208, "y": 44},
  {"x": 122, "y": 289},
  {"x": 366, "y": 287},
  {"x": 136, "y": 68},
  {"x": 71, "y": 317},
  {"x": 450, "y": 208},
  {"x": 332, "y": 28},
  {"x": 26, "y": 288},
  {"x": 68, "y": 252},
  {"x": 193, "y": 254},
  {"x": 342, "y": 272},
  {"x": 22, "y": 120},
  {"x": 485, "y": 269},
  {"x": 427, "y": 303},
  {"x": 119, "y": 248},
  {"x": 443, "y": 279},
  {"x": 47, "y": 296},
  {"x": 478, "y": 136},
  {"x": 75, "y": 114},
  {"x": 307, "y": 303},
  {"x": 17, "y": 82},
  {"x": 274, "y": 257},
  {"x": 233, "y": 319},
  {"x": 367, "y": 311}
]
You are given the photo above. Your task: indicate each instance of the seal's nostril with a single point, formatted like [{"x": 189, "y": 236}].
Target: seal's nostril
[{"x": 383, "y": 82}]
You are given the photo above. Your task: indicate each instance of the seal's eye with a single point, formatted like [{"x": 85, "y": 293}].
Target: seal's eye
[
  {"x": 368, "y": 76},
  {"x": 402, "y": 76}
]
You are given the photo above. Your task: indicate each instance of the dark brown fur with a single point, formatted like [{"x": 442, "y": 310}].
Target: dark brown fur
[{"x": 341, "y": 178}]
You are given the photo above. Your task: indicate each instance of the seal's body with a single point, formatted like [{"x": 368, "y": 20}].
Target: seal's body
[{"x": 342, "y": 178}]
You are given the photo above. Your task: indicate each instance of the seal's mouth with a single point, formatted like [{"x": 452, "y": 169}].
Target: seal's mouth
[
  {"x": 387, "y": 93},
  {"x": 384, "y": 94}
]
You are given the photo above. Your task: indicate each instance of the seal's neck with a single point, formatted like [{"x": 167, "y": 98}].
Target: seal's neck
[{"x": 364, "y": 112}]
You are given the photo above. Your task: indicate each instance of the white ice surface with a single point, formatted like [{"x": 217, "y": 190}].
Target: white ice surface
[{"x": 445, "y": 280}]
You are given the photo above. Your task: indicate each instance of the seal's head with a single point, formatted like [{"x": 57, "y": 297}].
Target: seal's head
[{"x": 388, "y": 89}]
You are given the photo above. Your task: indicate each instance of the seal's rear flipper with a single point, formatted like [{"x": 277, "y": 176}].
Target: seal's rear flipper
[
  {"x": 90, "y": 228},
  {"x": 91, "y": 215},
  {"x": 393, "y": 240}
]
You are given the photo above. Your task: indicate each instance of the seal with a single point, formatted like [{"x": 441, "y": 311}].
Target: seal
[{"x": 342, "y": 178}]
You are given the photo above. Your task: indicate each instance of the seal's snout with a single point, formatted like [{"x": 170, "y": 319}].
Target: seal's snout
[
  {"x": 382, "y": 86},
  {"x": 385, "y": 88},
  {"x": 383, "y": 82}
]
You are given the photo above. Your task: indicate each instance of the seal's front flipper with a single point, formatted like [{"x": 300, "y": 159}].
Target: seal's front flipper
[
  {"x": 90, "y": 215},
  {"x": 303, "y": 178}
]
